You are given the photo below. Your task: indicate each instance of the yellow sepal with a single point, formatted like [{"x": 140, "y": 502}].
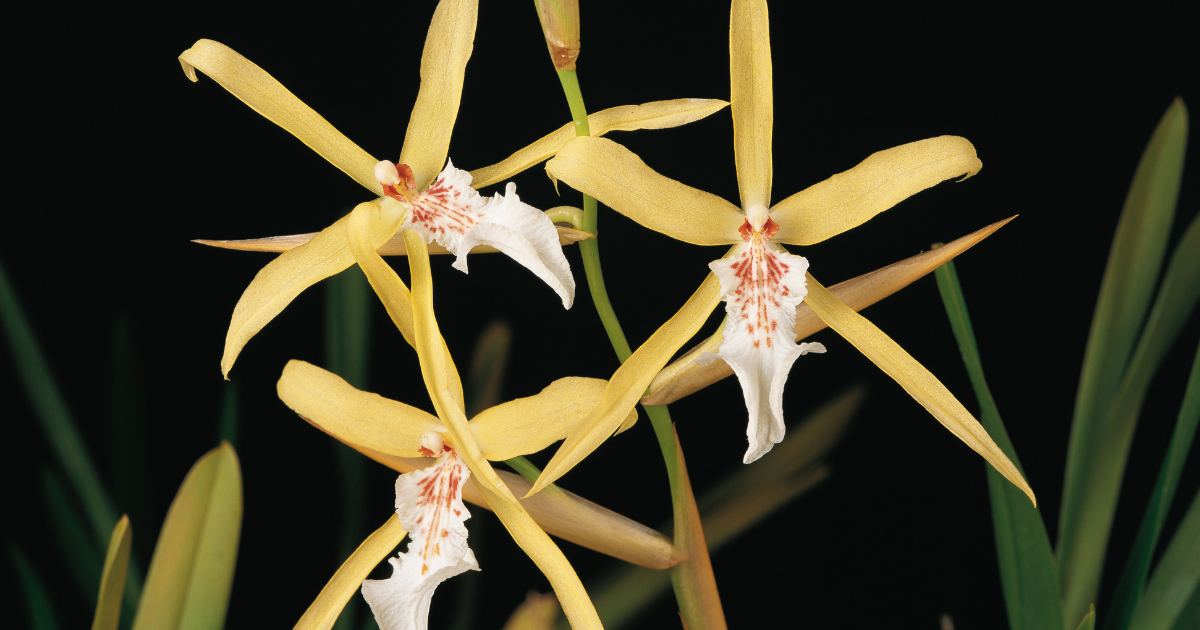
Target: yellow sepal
[
  {"x": 435, "y": 364},
  {"x": 353, "y": 416},
  {"x": 277, "y": 284},
  {"x": 879, "y": 182},
  {"x": 622, "y": 181},
  {"x": 655, "y": 115},
  {"x": 630, "y": 380},
  {"x": 750, "y": 99},
  {"x": 443, "y": 64},
  {"x": 388, "y": 286},
  {"x": 324, "y": 610},
  {"x": 258, "y": 89},
  {"x": 528, "y": 425},
  {"x": 913, "y": 377}
]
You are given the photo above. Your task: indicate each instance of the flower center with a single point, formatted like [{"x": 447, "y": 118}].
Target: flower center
[{"x": 397, "y": 180}]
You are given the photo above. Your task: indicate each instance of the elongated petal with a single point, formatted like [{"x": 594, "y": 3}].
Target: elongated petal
[
  {"x": 443, "y": 65},
  {"x": 913, "y": 377},
  {"x": 268, "y": 97},
  {"x": 655, "y": 115},
  {"x": 750, "y": 99},
  {"x": 762, "y": 288},
  {"x": 277, "y": 284},
  {"x": 429, "y": 505},
  {"x": 388, "y": 286},
  {"x": 394, "y": 246},
  {"x": 456, "y": 217},
  {"x": 520, "y": 525},
  {"x": 528, "y": 425},
  {"x": 685, "y": 376},
  {"x": 879, "y": 182},
  {"x": 353, "y": 416},
  {"x": 619, "y": 179},
  {"x": 629, "y": 382},
  {"x": 324, "y": 610}
]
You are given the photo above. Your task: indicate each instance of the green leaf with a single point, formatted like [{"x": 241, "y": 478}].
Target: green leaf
[
  {"x": 1171, "y": 595},
  {"x": 1133, "y": 579},
  {"x": 79, "y": 550},
  {"x": 486, "y": 376},
  {"x": 41, "y": 609},
  {"x": 128, "y": 453},
  {"x": 1028, "y": 571},
  {"x": 1134, "y": 263},
  {"x": 52, "y": 412},
  {"x": 191, "y": 571},
  {"x": 112, "y": 583},
  {"x": 1089, "y": 620},
  {"x": 228, "y": 422}
]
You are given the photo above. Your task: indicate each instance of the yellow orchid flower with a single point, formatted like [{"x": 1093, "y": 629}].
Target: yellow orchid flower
[
  {"x": 429, "y": 501},
  {"x": 761, "y": 283},
  {"x": 424, "y": 191}
]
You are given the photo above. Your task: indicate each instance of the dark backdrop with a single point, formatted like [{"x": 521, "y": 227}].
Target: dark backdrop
[{"x": 116, "y": 161}]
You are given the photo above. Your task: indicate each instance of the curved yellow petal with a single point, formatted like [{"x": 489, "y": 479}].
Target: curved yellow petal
[
  {"x": 268, "y": 97},
  {"x": 684, "y": 376},
  {"x": 750, "y": 99},
  {"x": 434, "y": 368},
  {"x": 394, "y": 246},
  {"x": 528, "y": 425},
  {"x": 630, "y": 380},
  {"x": 655, "y": 115},
  {"x": 913, "y": 377},
  {"x": 622, "y": 181},
  {"x": 879, "y": 182},
  {"x": 388, "y": 286},
  {"x": 353, "y": 416},
  {"x": 443, "y": 64},
  {"x": 277, "y": 284},
  {"x": 324, "y": 610}
]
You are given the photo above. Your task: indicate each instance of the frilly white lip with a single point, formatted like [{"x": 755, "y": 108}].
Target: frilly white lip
[
  {"x": 455, "y": 216},
  {"x": 429, "y": 505},
  {"x": 761, "y": 286}
]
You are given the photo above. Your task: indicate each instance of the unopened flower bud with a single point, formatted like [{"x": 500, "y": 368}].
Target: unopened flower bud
[{"x": 560, "y": 24}]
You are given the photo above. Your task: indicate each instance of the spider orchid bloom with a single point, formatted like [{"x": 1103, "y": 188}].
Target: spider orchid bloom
[
  {"x": 761, "y": 283},
  {"x": 443, "y": 207},
  {"x": 429, "y": 501}
]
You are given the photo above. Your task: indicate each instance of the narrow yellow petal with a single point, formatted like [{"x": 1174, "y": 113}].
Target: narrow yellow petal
[
  {"x": 528, "y": 425},
  {"x": 394, "y": 246},
  {"x": 655, "y": 115},
  {"x": 750, "y": 99},
  {"x": 537, "y": 612},
  {"x": 879, "y": 182},
  {"x": 388, "y": 286},
  {"x": 277, "y": 284},
  {"x": 621, "y": 180},
  {"x": 324, "y": 610},
  {"x": 699, "y": 601},
  {"x": 353, "y": 416},
  {"x": 435, "y": 366},
  {"x": 913, "y": 377},
  {"x": 630, "y": 380},
  {"x": 443, "y": 64},
  {"x": 684, "y": 376},
  {"x": 268, "y": 97},
  {"x": 112, "y": 579}
]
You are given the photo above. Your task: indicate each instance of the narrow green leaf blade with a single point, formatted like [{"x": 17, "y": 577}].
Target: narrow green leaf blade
[
  {"x": 79, "y": 550},
  {"x": 1173, "y": 588},
  {"x": 112, "y": 582},
  {"x": 191, "y": 572},
  {"x": 1133, "y": 579},
  {"x": 486, "y": 376},
  {"x": 37, "y": 600},
  {"x": 1089, "y": 620},
  {"x": 52, "y": 412},
  {"x": 1129, "y": 279},
  {"x": 1028, "y": 571}
]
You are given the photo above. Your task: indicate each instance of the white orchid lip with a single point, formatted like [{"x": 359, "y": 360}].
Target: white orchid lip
[
  {"x": 429, "y": 505},
  {"x": 454, "y": 215},
  {"x": 762, "y": 285}
]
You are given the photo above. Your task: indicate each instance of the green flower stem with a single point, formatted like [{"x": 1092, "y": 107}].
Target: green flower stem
[
  {"x": 660, "y": 418},
  {"x": 527, "y": 468}
]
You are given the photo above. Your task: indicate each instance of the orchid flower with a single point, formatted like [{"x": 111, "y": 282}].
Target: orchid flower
[
  {"x": 424, "y": 189},
  {"x": 429, "y": 501},
  {"x": 761, "y": 283}
]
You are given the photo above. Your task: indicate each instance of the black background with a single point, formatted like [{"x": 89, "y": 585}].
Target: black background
[{"x": 115, "y": 160}]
